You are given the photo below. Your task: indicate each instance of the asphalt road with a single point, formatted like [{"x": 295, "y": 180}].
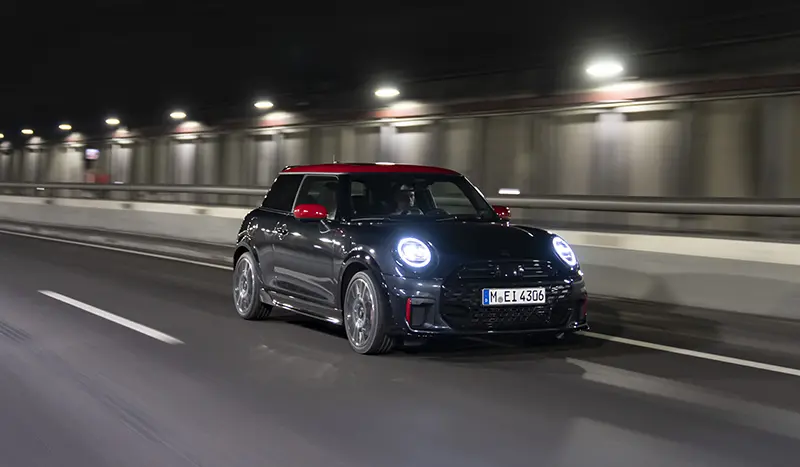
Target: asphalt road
[{"x": 199, "y": 386}]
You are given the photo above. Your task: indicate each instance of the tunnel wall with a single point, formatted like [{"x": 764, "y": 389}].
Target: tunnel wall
[{"x": 744, "y": 147}]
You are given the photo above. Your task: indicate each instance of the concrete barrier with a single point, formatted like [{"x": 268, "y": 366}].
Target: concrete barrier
[{"x": 731, "y": 275}]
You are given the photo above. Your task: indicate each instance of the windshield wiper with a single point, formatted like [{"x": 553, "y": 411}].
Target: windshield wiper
[{"x": 460, "y": 217}]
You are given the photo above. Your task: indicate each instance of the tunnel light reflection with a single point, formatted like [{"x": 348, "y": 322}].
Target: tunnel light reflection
[{"x": 277, "y": 116}]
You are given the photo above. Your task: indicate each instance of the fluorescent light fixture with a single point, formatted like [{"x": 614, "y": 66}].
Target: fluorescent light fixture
[
  {"x": 508, "y": 191},
  {"x": 2, "y": 136},
  {"x": 177, "y": 115},
  {"x": 409, "y": 123},
  {"x": 27, "y": 131},
  {"x": 112, "y": 121},
  {"x": 385, "y": 93},
  {"x": 604, "y": 69},
  {"x": 264, "y": 105},
  {"x": 65, "y": 127}
]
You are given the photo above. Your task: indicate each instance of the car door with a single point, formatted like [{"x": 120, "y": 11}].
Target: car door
[
  {"x": 304, "y": 250},
  {"x": 266, "y": 230}
]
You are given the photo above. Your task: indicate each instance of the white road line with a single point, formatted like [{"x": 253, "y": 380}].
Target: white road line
[
  {"x": 693, "y": 353},
  {"x": 150, "y": 332},
  {"x": 119, "y": 250},
  {"x": 594, "y": 335}
]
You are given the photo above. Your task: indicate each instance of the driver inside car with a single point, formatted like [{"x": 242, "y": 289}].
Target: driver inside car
[{"x": 404, "y": 199}]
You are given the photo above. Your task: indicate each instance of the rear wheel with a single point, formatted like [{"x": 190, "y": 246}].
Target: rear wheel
[
  {"x": 365, "y": 316},
  {"x": 246, "y": 288}
]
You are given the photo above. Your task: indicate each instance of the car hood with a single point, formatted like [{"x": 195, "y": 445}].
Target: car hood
[{"x": 481, "y": 240}]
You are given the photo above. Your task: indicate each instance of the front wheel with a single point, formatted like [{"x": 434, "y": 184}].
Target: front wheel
[
  {"x": 246, "y": 287},
  {"x": 365, "y": 316}
]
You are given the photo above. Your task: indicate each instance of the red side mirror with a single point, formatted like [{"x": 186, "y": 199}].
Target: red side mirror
[
  {"x": 503, "y": 212},
  {"x": 310, "y": 212}
]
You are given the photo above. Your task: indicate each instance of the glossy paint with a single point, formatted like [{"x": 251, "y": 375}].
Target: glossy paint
[{"x": 305, "y": 263}]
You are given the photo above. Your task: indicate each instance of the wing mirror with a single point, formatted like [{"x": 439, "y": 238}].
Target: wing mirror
[
  {"x": 310, "y": 212},
  {"x": 503, "y": 212}
]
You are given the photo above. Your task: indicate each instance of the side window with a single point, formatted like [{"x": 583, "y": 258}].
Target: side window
[
  {"x": 281, "y": 196},
  {"x": 322, "y": 191}
]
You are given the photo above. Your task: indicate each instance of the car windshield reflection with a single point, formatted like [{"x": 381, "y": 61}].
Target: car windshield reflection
[{"x": 416, "y": 197}]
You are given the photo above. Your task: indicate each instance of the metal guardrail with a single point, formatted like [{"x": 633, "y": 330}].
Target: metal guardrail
[
  {"x": 626, "y": 204},
  {"x": 658, "y": 205},
  {"x": 197, "y": 189}
]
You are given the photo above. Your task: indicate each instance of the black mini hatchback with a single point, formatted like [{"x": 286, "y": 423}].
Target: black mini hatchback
[{"x": 394, "y": 252}]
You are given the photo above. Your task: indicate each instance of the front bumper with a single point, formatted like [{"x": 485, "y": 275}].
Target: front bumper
[{"x": 429, "y": 307}]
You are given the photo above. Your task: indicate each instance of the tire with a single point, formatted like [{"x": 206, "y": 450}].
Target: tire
[
  {"x": 366, "y": 324},
  {"x": 246, "y": 287}
]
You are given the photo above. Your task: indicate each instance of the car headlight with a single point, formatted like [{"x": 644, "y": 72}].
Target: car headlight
[
  {"x": 414, "y": 252},
  {"x": 564, "y": 251}
]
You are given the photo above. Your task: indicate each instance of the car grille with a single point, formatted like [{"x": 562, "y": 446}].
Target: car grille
[
  {"x": 461, "y": 305},
  {"x": 493, "y": 270}
]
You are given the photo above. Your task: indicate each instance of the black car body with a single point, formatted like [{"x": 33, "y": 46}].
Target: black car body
[{"x": 400, "y": 251}]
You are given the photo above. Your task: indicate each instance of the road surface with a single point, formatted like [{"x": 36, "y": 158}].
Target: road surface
[{"x": 114, "y": 359}]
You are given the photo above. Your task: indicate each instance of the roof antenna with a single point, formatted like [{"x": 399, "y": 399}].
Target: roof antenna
[{"x": 334, "y": 159}]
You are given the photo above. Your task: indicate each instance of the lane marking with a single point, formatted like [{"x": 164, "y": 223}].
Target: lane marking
[
  {"x": 594, "y": 335},
  {"x": 693, "y": 353},
  {"x": 147, "y": 331},
  {"x": 119, "y": 250}
]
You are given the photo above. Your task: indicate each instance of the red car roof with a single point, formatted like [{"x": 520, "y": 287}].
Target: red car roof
[{"x": 368, "y": 168}]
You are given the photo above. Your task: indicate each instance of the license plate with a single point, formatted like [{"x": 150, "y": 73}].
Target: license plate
[{"x": 528, "y": 296}]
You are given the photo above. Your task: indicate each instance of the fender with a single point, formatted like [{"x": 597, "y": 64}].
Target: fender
[
  {"x": 244, "y": 245},
  {"x": 244, "y": 239},
  {"x": 363, "y": 258},
  {"x": 534, "y": 231}
]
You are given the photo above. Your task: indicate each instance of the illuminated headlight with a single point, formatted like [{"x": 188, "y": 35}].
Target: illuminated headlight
[
  {"x": 414, "y": 252},
  {"x": 564, "y": 251}
]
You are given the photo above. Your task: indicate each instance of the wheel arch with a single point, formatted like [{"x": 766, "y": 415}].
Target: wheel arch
[
  {"x": 356, "y": 262},
  {"x": 242, "y": 248}
]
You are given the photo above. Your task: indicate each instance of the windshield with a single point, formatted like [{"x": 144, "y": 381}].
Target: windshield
[{"x": 415, "y": 196}]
